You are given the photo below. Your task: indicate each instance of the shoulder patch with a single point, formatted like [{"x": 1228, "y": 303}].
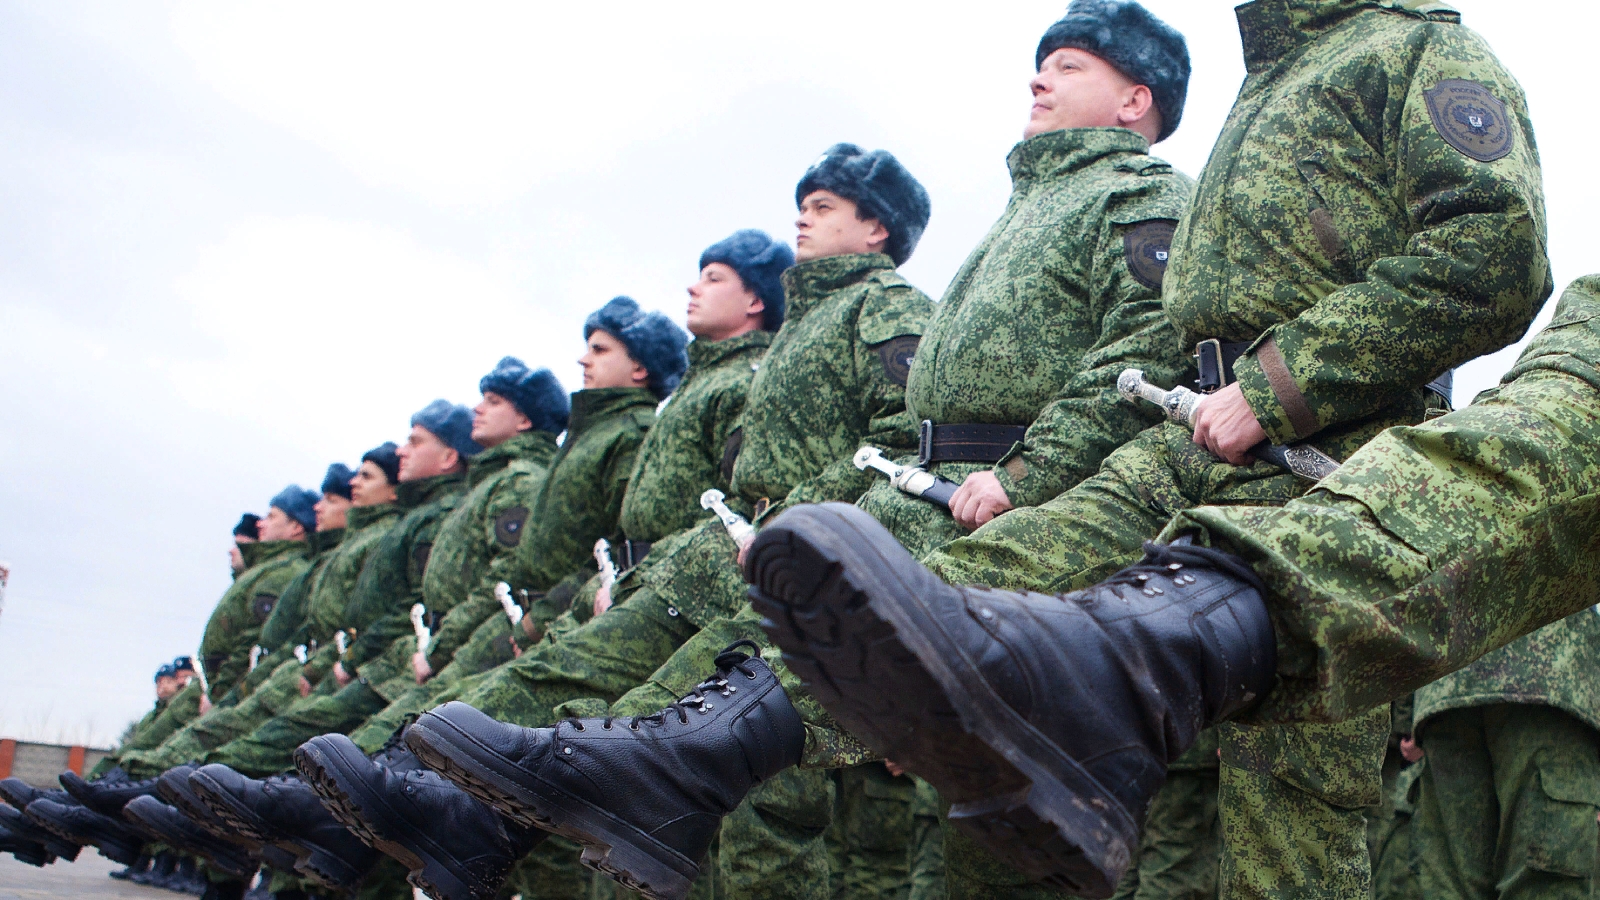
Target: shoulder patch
[
  {"x": 1470, "y": 119},
  {"x": 508, "y": 526},
  {"x": 261, "y": 606},
  {"x": 1147, "y": 246},
  {"x": 897, "y": 354},
  {"x": 420, "y": 554}
]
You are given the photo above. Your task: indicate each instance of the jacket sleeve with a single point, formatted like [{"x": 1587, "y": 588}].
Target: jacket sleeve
[
  {"x": 390, "y": 583},
  {"x": 1088, "y": 418},
  {"x": 270, "y": 585},
  {"x": 1470, "y": 278}
]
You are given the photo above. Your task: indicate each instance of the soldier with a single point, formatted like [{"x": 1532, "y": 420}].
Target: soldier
[
  {"x": 833, "y": 381},
  {"x": 634, "y": 360},
  {"x": 1343, "y": 303},
  {"x": 243, "y": 533}
]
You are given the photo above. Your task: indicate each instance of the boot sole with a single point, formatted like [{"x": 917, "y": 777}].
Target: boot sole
[
  {"x": 313, "y": 861},
  {"x": 346, "y": 796},
  {"x": 28, "y": 830},
  {"x": 113, "y": 849},
  {"x": 241, "y": 869},
  {"x": 838, "y": 602},
  {"x": 610, "y": 846}
]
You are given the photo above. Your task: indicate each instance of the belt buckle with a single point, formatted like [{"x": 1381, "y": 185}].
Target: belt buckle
[
  {"x": 1208, "y": 361},
  {"x": 924, "y": 443}
]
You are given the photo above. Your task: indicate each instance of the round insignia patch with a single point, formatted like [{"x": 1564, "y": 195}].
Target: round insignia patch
[
  {"x": 897, "y": 354},
  {"x": 508, "y": 526},
  {"x": 1147, "y": 247},
  {"x": 1470, "y": 119},
  {"x": 420, "y": 555},
  {"x": 261, "y": 606}
]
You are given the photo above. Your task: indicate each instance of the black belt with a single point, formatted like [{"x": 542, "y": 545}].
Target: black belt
[
  {"x": 966, "y": 443},
  {"x": 633, "y": 553},
  {"x": 1215, "y": 361}
]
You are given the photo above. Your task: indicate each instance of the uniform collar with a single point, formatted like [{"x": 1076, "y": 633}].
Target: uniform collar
[
  {"x": 323, "y": 540},
  {"x": 267, "y": 551},
  {"x": 362, "y": 516},
  {"x": 1269, "y": 30},
  {"x": 594, "y": 406},
  {"x": 806, "y": 282},
  {"x": 412, "y": 494},
  {"x": 704, "y": 354},
  {"x": 1055, "y": 154},
  {"x": 518, "y": 446}
]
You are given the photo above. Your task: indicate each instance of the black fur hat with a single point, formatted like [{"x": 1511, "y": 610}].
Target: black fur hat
[
  {"x": 880, "y": 188},
  {"x": 759, "y": 260},
  {"x": 534, "y": 392},
  {"x": 653, "y": 340},
  {"x": 385, "y": 457},
  {"x": 1128, "y": 36}
]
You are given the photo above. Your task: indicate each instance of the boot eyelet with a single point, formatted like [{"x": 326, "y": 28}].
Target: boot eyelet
[
  {"x": 987, "y": 613},
  {"x": 607, "y": 726},
  {"x": 1173, "y": 567},
  {"x": 634, "y": 726},
  {"x": 706, "y": 707},
  {"x": 578, "y": 725},
  {"x": 672, "y": 611},
  {"x": 750, "y": 675},
  {"x": 567, "y": 750}
]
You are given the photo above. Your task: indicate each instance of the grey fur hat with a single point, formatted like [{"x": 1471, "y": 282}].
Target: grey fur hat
[
  {"x": 451, "y": 423},
  {"x": 1130, "y": 37},
  {"x": 337, "y": 481},
  {"x": 299, "y": 504},
  {"x": 534, "y": 392},
  {"x": 880, "y": 188},
  {"x": 653, "y": 340},
  {"x": 759, "y": 260}
]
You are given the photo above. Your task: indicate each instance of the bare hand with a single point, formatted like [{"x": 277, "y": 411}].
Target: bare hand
[
  {"x": 894, "y": 768},
  {"x": 1226, "y": 426},
  {"x": 979, "y": 499},
  {"x": 744, "y": 550},
  {"x": 602, "y": 600},
  {"x": 305, "y": 687},
  {"x": 205, "y": 703},
  {"x": 419, "y": 665},
  {"x": 340, "y": 675},
  {"x": 1410, "y": 750},
  {"x": 516, "y": 651}
]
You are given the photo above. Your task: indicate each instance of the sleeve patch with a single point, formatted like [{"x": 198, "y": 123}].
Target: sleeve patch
[
  {"x": 508, "y": 526},
  {"x": 1470, "y": 119},
  {"x": 261, "y": 606},
  {"x": 1147, "y": 246},
  {"x": 897, "y": 354}
]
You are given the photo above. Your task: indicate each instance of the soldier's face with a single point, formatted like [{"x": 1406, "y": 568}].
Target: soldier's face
[
  {"x": 608, "y": 365},
  {"x": 423, "y": 455},
  {"x": 720, "y": 306},
  {"x": 166, "y": 686},
  {"x": 370, "y": 486},
  {"x": 277, "y": 526},
  {"x": 497, "y": 420},
  {"x": 828, "y": 226},
  {"x": 236, "y": 559},
  {"x": 331, "y": 510},
  {"x": 1076, "y": 89}
]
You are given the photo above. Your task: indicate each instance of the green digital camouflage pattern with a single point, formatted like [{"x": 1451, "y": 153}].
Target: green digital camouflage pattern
[
  {"x": 1180, "y": 844},
  {"x": 926, "y": 852},
  {"x": 290, "y": 610},
  {"x": 179, "y": 711},
  {"x": 1394, "y": 870},
  {"x": 1507, "y": 804},
  {"x": 1558, "y": 665},
  {"x": 236, "y": 622},
  {"x": 684, "y": 454},
  {"x": 130, "y": 737},
  {"x": 335, "y": 586},
  {"x": 378, "y": 608},
  {"x": 1046, "y": 312},
  {"x": 1336, "y": 218},
  {"x": 269, "y": 747},
  {"x": 775, "y": 843},
  {"x": 869, "y": 840},
  {"x": 1438, "y": 543}
]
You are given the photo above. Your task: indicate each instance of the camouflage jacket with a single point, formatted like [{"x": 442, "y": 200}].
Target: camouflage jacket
[
  {"x": 244, "y": 608},
  {"x": 582, "y": 497},
  {"x": 692, "y": 446},
  {"x": 503, "y": 483},
  {"x": 1370, "y": 217},
  {"x": 1062, "y": 295},
  {"x": 833, "y": 381},
  {"x": 290, "y": 610},
  {"x": 379, "y": 605},
  {"x": 1558, "y": 665}
]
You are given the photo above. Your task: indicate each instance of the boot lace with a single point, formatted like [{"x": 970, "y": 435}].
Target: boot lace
[
  {"x": 1169, "y": 560},
  {"x": 730, "y": 660}
]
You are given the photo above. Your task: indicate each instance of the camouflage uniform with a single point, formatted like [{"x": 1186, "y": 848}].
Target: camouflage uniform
[
  {"x": 236, "y": 622},
  {"x": 1370, "y": 217},
  {"x": 389, "y": 582},
  {"x": 687, "y": 450},
  {"x": 1180, "y": 846},
  {"x": 926, "y": 853}
]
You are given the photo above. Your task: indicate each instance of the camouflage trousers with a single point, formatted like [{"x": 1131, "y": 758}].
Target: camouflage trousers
[
  {"x": 181, "y": 709},
  {"x": 926, "y": 853},
  {"x": 1290, "y": 795},
  {"x": 219, "y": 726},
  {"x": 1507, "y": 804},
  {"x": 1394, "y": 869},
  {"x": 870, "y": 838},
  {"x": 269, "y": 748},
  {"x": 1180, "y": 847}
]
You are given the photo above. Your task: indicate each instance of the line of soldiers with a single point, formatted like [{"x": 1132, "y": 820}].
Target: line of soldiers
[{"x": 1122, "y": 655}]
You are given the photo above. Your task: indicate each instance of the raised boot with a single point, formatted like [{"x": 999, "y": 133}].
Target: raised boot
[
  {"x": 284, "y": 811},
  {"x": 24, "y": 850},
  {"x": 80, "y": 825},
  {"x": 1047, "y": 721},
  {"x": 19, "y": 793},
  {"x": 14, "y": 821},
  {"x": 456, "y": 847},
  {"x": 166, "y": 824},
  {"x": 107, "y": 795},
  {"x": 161, "y": 868},
  {"x": 139, "y": 867},
  {"x": 644, "y": 796}
]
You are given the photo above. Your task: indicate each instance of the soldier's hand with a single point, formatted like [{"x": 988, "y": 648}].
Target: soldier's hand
[
  {"x": 419, "y": 665},
  {"x": 340, "y": 675},
  {"x": 205, "y": 703},
  {"x": 1409, "y": 749},
  {"x": 305, "y": 687},
  {"x": 744, "y": 550},
  {"x": 602, "y": 600},
  {"x": 979, "y": 499},
  {"x": 1227, "y": 427},
  {"x": 894, "y": 768}
]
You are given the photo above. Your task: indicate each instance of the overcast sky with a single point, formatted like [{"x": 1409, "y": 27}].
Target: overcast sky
[{"x": 241, "y": 241}]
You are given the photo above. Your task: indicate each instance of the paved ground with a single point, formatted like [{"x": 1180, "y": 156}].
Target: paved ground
[{"x": 85, "y": 878}]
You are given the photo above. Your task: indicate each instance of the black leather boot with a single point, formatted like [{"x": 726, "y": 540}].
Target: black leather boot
[
  {"x": 160, "y": 870},
  {"x": 14, "y": 821},
  {"x": 1047, "y": 721},
  {"x": 166, "y": 824},
  {"x": 225, "y": 890},
  {"x": 644, "y": 796},
  {"x": 31, "y": 852},
  {"x": 285, "y": 811},
  {"x": 107, "y": 795},
  {"x": 139, "y": 867},
  {"x": 19, "y": 793},
  {"x": 81, "y": 825},
  {"x": 187, "y": 878}
]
